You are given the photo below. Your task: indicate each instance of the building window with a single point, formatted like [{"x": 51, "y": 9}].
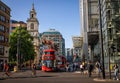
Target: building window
[
  {"x": 7, "y": 30},
  {"x": 2, "y": 18},
  {"x": 1, "y": 50},
  {"x": 7, "y": 21},
  {"x": 32, "y": 15},
  {"x": 109, "y": 14},
  {"x": 2, "y": 8},
  {"x": 32, "y": 26},
  {"x": 110, "y": 33},
  {"x": 6, "y": 39},
  {"x": 94, "y": 8},
  {"x": 13, "y": 28},
  {"x": 1, "y": 38},
  {"x": 33, "y": 34},
  {"x": 2, "y": 28}
]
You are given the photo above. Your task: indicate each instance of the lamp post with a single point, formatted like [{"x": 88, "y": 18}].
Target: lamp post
[
  {"x": 101, "y": 39},
  {"x": 18, "y": 47}
]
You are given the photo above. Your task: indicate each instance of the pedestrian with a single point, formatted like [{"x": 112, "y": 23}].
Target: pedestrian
[
  {"x": 6, "y": 69},
  {"x": 67, "y": 67},
  {"x": 82, "y": 68},
  {"x": 90, "y": 68},
  {"x": 98, "y": 68},
  {"x": 116, "y": 72},
  {"x": 33, "y": 70}
]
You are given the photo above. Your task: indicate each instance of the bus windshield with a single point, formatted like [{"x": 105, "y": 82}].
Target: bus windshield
[
  {"x": 51, "y": 53},
  {"x": 48, "y": 63}
]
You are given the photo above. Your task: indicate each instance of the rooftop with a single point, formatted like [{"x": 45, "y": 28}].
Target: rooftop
[{"x": 52, "y": 31}]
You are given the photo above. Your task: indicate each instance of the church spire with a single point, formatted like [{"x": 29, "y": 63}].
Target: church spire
[
  {"x": 33, "y": 6},
  {"x": 32, "y": 12},
  {"x": 32, "y": 15}
]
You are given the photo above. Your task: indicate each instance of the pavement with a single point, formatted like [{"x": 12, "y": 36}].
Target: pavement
[
  {"x": 104, "y": 80},
  {"x": 19, "y": 74},
  {"x": 100, "y": 79},
  {"x": 28, "y": 74}
]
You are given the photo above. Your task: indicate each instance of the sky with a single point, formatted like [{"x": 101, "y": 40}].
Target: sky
[{"x": 61, "y": 15}]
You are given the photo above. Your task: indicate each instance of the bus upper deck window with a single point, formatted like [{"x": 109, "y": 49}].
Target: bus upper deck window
[{"x": 52, "y": 53}]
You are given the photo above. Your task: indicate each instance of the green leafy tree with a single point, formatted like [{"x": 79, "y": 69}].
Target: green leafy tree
[{"x": 26, "y": 48}]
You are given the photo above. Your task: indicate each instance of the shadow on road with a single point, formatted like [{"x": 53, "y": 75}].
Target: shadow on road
[{"x": 4, "y": 78}]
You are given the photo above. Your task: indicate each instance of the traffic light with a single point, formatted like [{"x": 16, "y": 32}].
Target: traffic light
[{"x": 114, "y": 48}]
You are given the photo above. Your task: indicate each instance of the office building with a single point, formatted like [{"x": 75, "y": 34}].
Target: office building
[
  {"x": 14, "y": 24},
  {"x": 55, "y": 37},
  {"x": 90, "y": 30},
  {"x": 110, "y": 18}
]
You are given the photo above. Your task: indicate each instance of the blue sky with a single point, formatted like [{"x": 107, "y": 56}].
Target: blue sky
[{"x": 62, "y": 15}]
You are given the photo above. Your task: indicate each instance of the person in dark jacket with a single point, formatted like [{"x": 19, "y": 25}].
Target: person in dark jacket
[
  {"x": 90, "y": 68},
  {"x": 33, "y": 69}
]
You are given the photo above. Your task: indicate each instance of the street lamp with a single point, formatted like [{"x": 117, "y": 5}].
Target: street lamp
[
  {"x": 18, "y": 47},
  {"x": 101, "y": 39}
]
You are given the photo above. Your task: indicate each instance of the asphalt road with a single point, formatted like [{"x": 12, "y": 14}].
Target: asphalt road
[{"x": 53, "y": 77}]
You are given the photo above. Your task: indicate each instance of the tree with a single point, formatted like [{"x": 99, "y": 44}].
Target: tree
[{"x": 26, "y": 47}]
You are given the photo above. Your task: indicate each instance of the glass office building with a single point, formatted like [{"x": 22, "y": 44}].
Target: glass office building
[{"x": 110, "y": 16}]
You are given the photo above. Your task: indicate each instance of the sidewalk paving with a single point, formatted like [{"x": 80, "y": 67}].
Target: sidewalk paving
[
  {"x": 104, "y": 80},
  {"x": 19, "y": 74},
  {"x": 96, "y": 78},
  {"x": 28, "y": 74},
  {"x": 107, "y": 78}
]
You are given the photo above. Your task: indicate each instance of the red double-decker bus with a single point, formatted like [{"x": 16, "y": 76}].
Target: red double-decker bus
[
  {"x": 48, "y": 60},
  {"x": 61, "y": 63}
]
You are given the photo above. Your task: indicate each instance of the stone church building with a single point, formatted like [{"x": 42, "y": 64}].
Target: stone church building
[{"x": 32, "y": 27}]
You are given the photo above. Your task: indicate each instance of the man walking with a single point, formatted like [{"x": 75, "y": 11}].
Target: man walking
[
  {"x": 90, "y": 68},
  {"x": 33, "y": 69}
]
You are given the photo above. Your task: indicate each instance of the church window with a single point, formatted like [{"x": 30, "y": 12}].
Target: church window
[
  {"x": 32, "y": 26},
  {"x": 32, "y": 15}
]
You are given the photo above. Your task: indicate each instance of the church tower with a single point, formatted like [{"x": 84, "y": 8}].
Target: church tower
[{"x": 32, "y": 28}]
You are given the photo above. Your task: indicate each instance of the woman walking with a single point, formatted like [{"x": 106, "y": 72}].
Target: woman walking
[{"x": 116, "y": 72}]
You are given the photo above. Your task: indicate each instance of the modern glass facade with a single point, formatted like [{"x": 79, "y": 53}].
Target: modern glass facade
[{"x": 110, "y": 15}]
